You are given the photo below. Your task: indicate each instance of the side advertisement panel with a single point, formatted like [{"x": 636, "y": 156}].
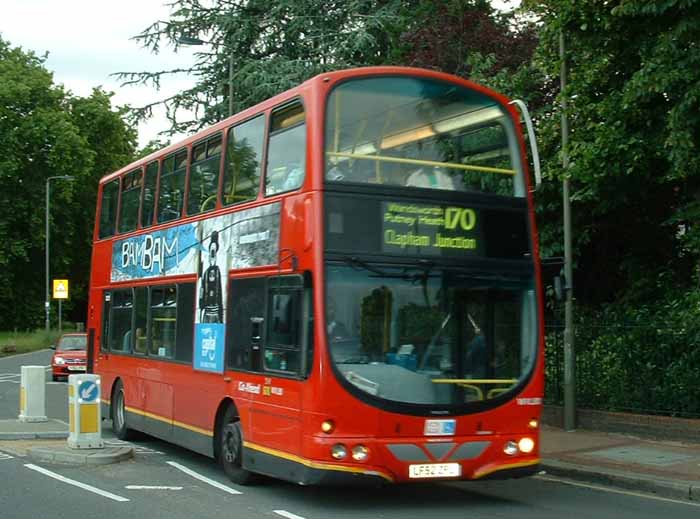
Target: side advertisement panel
[{"x": 209, "y": 248}]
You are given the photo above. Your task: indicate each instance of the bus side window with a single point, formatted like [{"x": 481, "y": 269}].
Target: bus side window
[
  {"x": 243, "y": 158},
  {"x": 286, "y": 151},
  {"x": 148, "y": 198},
  {"x": 108, "y": 209},
  {"x": 120, "y": 320},
  {"x": 246, "y": 302},
  {"x": 185, "y": 321},
  {"x": 204, "y": 176},
  {"x": 171, "y": 191},
  {"x": 163, "y": 321},
  {"x": 131, "y": 194},
  {"x": 140, "y": 339}
]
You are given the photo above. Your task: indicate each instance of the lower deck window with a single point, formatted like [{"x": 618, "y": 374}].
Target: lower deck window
[{"x": 163, "y": 321}]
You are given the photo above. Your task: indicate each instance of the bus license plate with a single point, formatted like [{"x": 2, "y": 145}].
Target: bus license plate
[
  {"x": 76, "y": 368},
  {"x": 435, "y": 470}
]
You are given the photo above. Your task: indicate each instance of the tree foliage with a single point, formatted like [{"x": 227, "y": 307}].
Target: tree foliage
[
  {"x": 46, "y": 132},
  {"x": 262, "y": 48},
  {"x": 633, "y": 110}
]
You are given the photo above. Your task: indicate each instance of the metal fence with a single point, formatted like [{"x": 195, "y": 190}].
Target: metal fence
[{"x": 649, "y": 368}]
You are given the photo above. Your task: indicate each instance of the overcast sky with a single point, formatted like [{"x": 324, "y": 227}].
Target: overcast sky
[{"x": 87, "y": 40}]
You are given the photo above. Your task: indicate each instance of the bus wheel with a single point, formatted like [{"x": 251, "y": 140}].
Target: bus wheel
[
  {"x": 118, "y": 409},
  {"x": 231, "y": 449}
]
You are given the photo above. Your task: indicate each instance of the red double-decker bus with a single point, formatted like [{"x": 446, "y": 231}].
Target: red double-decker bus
[{"x": 339, "y": 284}]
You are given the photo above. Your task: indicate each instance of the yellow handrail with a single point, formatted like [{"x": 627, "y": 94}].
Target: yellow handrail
[
  {"x": 475, "y": 380},
  {"x": 434, "y": 163}
]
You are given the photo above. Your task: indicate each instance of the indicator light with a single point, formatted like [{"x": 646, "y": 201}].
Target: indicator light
[
  {"x": 328, "y": 426},
  {"x": 533, "y": 424}
]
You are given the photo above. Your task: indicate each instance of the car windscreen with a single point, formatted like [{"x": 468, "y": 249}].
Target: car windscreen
[{"x": 73, "y": 343}]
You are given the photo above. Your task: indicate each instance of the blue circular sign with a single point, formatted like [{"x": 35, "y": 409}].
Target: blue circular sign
[{"x": 88, "y": 391}]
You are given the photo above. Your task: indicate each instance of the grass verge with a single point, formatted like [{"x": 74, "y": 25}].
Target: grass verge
[{"x": 12, "y": 343}]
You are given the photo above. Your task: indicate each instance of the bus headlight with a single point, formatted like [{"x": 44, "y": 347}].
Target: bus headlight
[
  {"x": 360, "y": 453},
  {"x": 339, "y": 451},
  {"x": 511, "y": 448},
  {"x": 526, "y": 445},
  {"x": 60, "y": 361}
]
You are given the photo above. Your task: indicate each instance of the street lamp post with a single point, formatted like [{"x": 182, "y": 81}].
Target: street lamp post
[{"x": 47, "y": 304}]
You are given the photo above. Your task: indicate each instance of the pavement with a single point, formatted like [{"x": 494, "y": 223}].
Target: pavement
[
  {"x": 665, "y": 468},
  {"x": 47, "y": 442}
]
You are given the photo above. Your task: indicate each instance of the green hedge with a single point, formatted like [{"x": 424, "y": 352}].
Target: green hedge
[{"x": 643, "y": 359}]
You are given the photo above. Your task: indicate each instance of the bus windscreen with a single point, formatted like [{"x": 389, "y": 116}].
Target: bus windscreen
[{"x": 420, "y": 133}]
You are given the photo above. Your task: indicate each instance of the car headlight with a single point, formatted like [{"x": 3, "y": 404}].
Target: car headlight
[{"x": 59, "y": 360}]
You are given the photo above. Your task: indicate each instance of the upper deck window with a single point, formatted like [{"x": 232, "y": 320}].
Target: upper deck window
[
  {"x": 420, "y": 133},
  {"x": 204, "y": 176},
  {"x": 148, "y": 202},
  {"x": 131, "y": 194},
  {"x": 172, "y": 186},
  {"x": 286, "y": 153},
  {"x": 108, "y": 208},
  {"x": 243, "y": 157}
]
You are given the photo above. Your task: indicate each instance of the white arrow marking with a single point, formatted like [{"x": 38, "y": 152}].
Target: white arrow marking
[{"x": 85, "y": 393}]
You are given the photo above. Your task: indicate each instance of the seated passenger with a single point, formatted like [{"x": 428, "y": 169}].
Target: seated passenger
[
  {"x": 334, "y": 173},
  {"x": 434, "y": 178},
  {"x": 294, "y": 178}
]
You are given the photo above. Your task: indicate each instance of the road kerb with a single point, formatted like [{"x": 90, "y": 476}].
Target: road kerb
[
  {"x": 68, "y": 456},
  {"x": 676, "y": 489}
]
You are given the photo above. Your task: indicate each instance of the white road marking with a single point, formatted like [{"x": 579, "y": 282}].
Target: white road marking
[
  {"x": 5, "y": 456},
  {"x": 204, "y": 479},
  {"x": 288, "y": 515},
  {"x": 151, "y": 487},
  {"x": 616, "y": 491},
  {"x": 78, "y": 484}
]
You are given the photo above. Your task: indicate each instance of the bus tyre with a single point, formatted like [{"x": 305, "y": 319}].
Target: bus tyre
[
  {"x": 231, "y": 449},
  {"x": 118, "y": 409}
]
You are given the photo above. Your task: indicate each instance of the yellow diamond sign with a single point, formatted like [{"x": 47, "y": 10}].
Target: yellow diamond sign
[{"x": 60, "y": 289}]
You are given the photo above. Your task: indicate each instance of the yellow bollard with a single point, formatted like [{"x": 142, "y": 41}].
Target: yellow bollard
[{"x": 84, "y": 414}]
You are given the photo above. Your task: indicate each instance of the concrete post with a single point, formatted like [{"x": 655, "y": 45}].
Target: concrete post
[{"x": 32, "y": 394}]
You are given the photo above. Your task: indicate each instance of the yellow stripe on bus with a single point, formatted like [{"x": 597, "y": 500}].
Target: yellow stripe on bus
[
  {"x": 491, "y": 470},
  {"x": 315, "y": 464},
  {"x": 170, "y": 421}
]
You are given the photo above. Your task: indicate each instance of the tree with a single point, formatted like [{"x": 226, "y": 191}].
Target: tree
[
  {"x": 269, "y": 47},
  {"x": 45, "y": 132},
  {"x": 633, "y": 112},
  {"x": 112, "y": 143}
]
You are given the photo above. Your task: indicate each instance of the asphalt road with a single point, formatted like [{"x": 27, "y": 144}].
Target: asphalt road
[{"x": 165, "y": 481}]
